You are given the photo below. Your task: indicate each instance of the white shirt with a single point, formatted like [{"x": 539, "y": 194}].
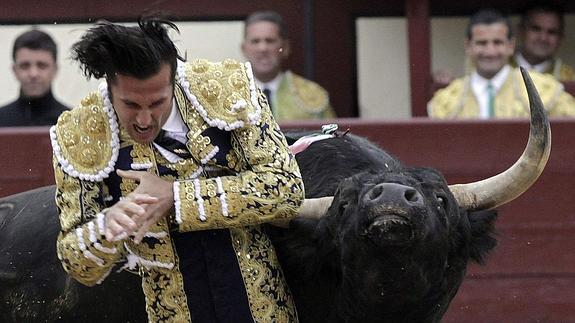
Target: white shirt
[
  {"x": 541, "y": 67},
  {"x": 175, "y": 128},
  {"x": 479, "y": 86},
  {"x": 272, "y": 85}
]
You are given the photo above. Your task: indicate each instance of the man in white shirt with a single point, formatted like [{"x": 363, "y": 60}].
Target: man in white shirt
[
  {"x": 541, "y": 32},
  {"x": 495, "y": 89}
]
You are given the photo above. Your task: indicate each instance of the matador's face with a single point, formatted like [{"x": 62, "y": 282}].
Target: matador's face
[{"x": 143, "y": 106}]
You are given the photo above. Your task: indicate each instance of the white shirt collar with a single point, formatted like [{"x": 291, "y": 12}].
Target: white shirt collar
[
  {"x": 175, "y": 124},
  {"x": 272, "y": 85},
  {"x": 479, "y": 87},
  {"x": 176, "y": 129},
  {"x": 541, "y": 67}
]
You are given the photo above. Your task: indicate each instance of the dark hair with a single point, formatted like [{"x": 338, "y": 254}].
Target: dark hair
[
  {"x": 269, "y": 16},
  {"x": 542, "y": 7},
  {"x": 488, "y": 17},
  {"x": 109, "y": 49},
  {"x": 36, "y": 40}
]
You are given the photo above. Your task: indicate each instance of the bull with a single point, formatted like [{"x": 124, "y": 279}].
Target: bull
[{"x": 375, "y": 241}]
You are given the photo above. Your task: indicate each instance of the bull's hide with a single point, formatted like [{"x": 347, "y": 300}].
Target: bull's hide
[{"x": 393, "y": 246}]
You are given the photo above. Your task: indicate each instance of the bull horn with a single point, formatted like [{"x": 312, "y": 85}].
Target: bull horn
[
  {"x": 502, "y": 188},
  {"x": 315, "y": 207}
]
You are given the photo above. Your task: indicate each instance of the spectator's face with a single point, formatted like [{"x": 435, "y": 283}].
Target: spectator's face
[
  {"x": 541, "y": 36},
  {"x": 143, "y": 106},
  {"x": 35, "y": 69},
  {"x": 489, "y": 49},
  {"x": 265, "y": 49}
]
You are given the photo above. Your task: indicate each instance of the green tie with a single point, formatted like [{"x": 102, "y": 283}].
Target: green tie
[{"x": 491, "y": 100}]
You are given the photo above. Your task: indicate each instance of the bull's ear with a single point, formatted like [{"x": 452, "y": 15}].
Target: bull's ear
[{"x": 482, "y": 225}]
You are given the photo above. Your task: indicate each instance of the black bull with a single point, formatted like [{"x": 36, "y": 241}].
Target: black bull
[{"x": 393, "y": 245}]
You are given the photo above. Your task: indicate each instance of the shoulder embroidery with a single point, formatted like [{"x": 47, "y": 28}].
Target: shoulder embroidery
[
  {"x": 223, "y": 93},
  {"x": 310, "y": 96},
  {"x": 85, "y": 140}
]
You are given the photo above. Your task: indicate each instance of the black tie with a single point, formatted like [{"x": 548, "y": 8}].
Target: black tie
[
  {"x": 172, "y": 145},
  {"x": 268, "y": 95}
]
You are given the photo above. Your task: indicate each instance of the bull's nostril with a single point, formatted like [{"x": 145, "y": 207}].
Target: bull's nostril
[
  {"x": 376, "y": 192},
  {"x": 411, "y": 195}
]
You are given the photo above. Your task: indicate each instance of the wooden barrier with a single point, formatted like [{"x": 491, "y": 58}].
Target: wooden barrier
[
  {"x": 531, "y": 274},
  {"x": 26, "y": 161}
]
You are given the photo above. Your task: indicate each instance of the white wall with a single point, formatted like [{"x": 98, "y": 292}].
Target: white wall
[
  {"x": 383, "y": 70},
  {"x": 210, "y": 40}
]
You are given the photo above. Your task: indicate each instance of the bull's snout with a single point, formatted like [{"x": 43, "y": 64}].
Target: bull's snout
[{"x": 393, "y": 194}]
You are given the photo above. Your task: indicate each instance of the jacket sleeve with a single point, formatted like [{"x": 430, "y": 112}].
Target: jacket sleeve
[
  {"x": 82, "y": 248},
  {"x": 269, "y": 188},
  {"x": 564, "y": 106}
]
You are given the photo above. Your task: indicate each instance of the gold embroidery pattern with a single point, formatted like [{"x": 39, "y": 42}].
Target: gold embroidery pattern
[
  {"x": 308, "y": 96},
  {"x": 165, "y": 297},
  {"x": 84, "y": 136},
  {"x": 270, "y": 299},
  {"x": 219, "y": 87},
  {"x": 164, "y": 288},
  {"x": 199, "y": 146},
  {"x": 78, "y": 202},
  {"x": 271, "y": 190}
]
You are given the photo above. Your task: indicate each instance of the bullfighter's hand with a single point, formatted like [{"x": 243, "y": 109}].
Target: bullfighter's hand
[
  {"x": 157, "y": 187},
  {"x": 120, "y": 219}
]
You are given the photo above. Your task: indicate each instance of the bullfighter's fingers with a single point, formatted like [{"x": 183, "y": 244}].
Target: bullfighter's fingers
[
  {"x": 143, "y": 198},
  {"x": 113, "y": 229},
  {"x": 142, "y": 231},
  {"x": 131, "y": 174},
  {"x": 117, "y": 222},
  {"x": 131, "y": 207}
]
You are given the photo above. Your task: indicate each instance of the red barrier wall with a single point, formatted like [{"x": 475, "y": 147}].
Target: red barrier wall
[
  {"x": 528, "y": 278},
  {"x": 26, "y": 160}
]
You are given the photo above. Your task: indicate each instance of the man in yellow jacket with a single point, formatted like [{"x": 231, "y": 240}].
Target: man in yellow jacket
[
  {"x": 541, "y": 32},
  {"x": 494, "y": 89},
  {"x": 291, "y": 96}
]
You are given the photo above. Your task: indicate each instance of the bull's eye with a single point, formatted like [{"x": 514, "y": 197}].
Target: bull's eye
[
  {"x": 343, "y": 206},
  {"x": 442, "y": 201}
]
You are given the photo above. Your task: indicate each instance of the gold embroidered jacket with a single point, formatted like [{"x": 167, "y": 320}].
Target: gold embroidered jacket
[
  {"x": 458, "y": 100},
  {"x": 239, "y": 176},
  {"x": 298, "y": 98},
  {"x": 561, "y": 71}
]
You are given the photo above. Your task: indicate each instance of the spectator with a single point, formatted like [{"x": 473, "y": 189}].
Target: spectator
[
  {"x": 290, "y": 96},
  {"x": 541, "y": 32},
  {"x": 35, "y": 67},
  {"x": 495, "y": 89}
]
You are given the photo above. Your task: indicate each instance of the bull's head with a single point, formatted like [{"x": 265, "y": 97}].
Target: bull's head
[
  {"x": 499, "y": 189},
  {"x": 404, "y": 236},
  {"x": 403, "y": 242}
]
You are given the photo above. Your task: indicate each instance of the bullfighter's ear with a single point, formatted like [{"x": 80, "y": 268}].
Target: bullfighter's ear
[{"x": 483, "y": 239}]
